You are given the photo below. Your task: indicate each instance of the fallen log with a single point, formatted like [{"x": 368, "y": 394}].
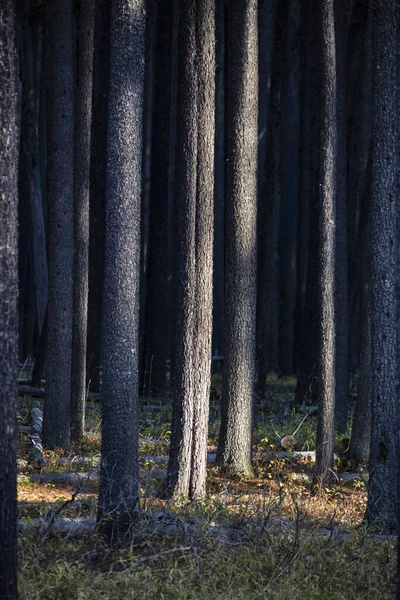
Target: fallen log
[{"x": 81, "y": 478}]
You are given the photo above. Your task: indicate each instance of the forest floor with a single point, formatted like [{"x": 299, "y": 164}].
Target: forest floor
[{"x": 267, "y": 536}]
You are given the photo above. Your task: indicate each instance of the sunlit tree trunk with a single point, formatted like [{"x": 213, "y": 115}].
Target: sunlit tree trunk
[
  {"x": 327, "y": 152},
  {"x": 195, "y": 190},
  {"x": 241, "y": 124}
]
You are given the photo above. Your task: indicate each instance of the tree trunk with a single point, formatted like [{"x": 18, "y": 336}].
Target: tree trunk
[
  {"x": 150, "y": 37},
  {"x": 326, "y": 281},
  {"x": 30, "y": 143},
  {"x": 219, "y": 186},
  {"x": 241, "y": 102},
  {"x": 341, "y": 275},
  {"x": 9, "y": 141},
  {"x": 361, "y": 430},
  {"x": 119, "y": 471},
  {"x": 269, "y": 200},
  {"x": 83, "y": 113},
  {"x": 101, "y": 68},
  {"x": 60, "y": 78},
  {"x": 195, "y": 188},
  {"x": 382, "y": 491},
  {"x": 289, "y": 178},
  {"x": 158, "y": 310},
  {"x": 306, "y": 339}
]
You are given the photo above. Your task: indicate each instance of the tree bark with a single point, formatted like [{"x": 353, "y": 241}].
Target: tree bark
[
  {"x": 382, "y": 491},
  {"x": 326, "y": 384},
  {"x": 83, "y": 113},
  {"x": 9, "y": 142},
  {"x": 241, "y": 124},
  {"x": 195, "y": 190},
  {"x": 219, "y": 185},
  {"x": 60, "y": 78},
  {"x": 341, "y": 255},
  {"x": 119, "y": 471}
]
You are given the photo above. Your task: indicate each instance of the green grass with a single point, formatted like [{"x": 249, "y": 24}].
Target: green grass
[{"x": 298, "y": 567}]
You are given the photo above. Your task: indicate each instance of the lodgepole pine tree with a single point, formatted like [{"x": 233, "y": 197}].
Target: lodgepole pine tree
[
  {"x": 326, "y": 273},
  {"x": 382, "y": 489},
  {"x": 119, "y": 471},
  {"x": 186, "y": 476},
  {"x": 9, "y": 139},
  {"x": 83, "y": 112},
  {"x": 59, "y": 54},
  {"x": 241, "y": 116}
]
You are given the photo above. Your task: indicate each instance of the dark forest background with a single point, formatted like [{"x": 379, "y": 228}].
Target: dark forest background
[{"x": 207, "y": 203}]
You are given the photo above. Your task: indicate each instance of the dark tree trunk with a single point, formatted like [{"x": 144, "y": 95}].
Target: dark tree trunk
[
  {"x": 60, "y": 78},
  {"x": 146, "y": 167},
  {"x": 327, "y": 152},
  {"x": 39, "y": 366},
  {"x": 304, "y": 179},
  {"x": 195, "y": 188},
  {"x": 241, "y": 116},
  {"x": 83, "y": 112},
  {"x": 9, "y": 139},
  {"x": 30, "y": 144},
  {"x": 119, "y": 471},
  {"x": 158, "y": 310},
  {"x": 361, "y": 430},
  {"x": 382, "y": 491},
  {"x": 359, "y": 164},
  {"x": 266, "y": 33},
  {"x": 289, "y": 178},
  {"x": 307, "y": 336},
  {"x": 341, "y": 275},
  {"x": 101, "y": 68},
  {"x": 269, "y": 200}
]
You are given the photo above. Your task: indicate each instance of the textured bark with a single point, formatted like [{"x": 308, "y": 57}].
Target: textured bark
[
  {"x": 341, "y": 274},
  {"x": 195, "y": 188},
  {"x": 158, "y": 310},
  {"x": 326, "y": 384},
  {"x": 289, "y": 177},
  {"x": 101, "y": 68},
  {"x": 269, "y": 200},
  {"x": 83, "y": 113},
  {"x": 219, "y": 186},
  {"x": 119, "y": 471},
  {"x": 382, "y": 490},
  {"x": 9, "y": 139},
  {"x": 241, "y": 101},
  {"x": 59, "y": 54}
]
